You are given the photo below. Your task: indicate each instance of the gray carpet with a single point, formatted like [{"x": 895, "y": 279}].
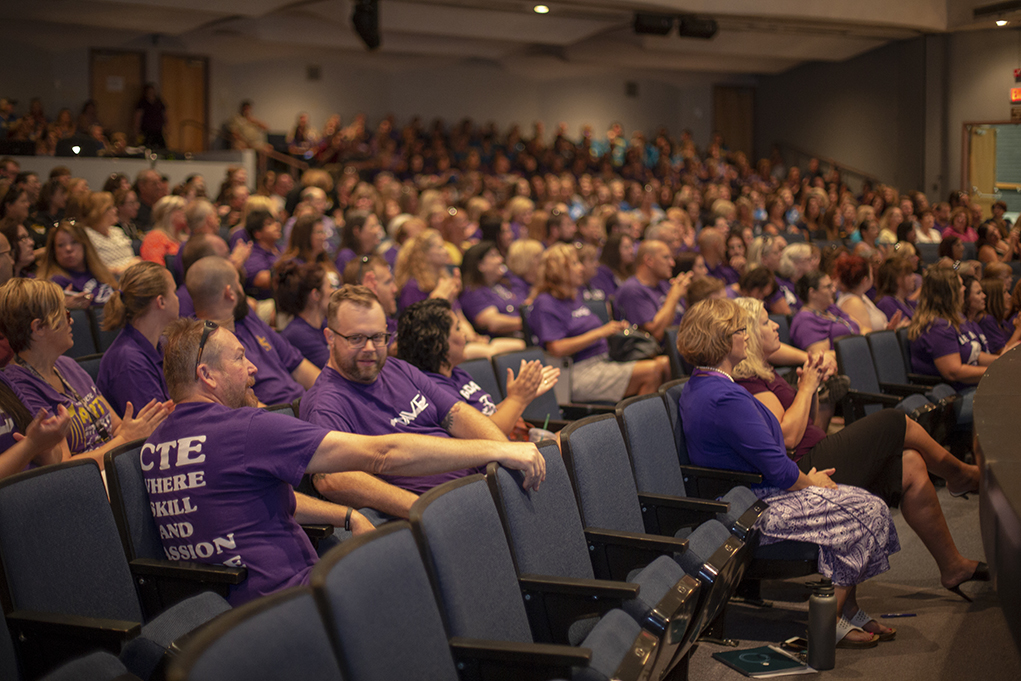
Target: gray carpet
[{"x": 948, "y": 639}]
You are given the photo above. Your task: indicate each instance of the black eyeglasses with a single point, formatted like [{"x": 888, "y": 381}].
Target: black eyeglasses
[
  {"x": 358, "y": 340},
  {"x": 207, "y": 328}
]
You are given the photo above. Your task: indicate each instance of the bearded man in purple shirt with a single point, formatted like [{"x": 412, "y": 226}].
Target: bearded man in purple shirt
[
  {"x": 216, "y": 291},
  {"x": 362, "y": 391},
  {"x": 220, "y": 474}
]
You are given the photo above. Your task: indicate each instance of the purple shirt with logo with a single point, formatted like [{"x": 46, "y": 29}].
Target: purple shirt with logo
[
  {"x": 461, "y": 386},
  {"x": 85, "y": 282},
  {"x": 274, "y": 357},
  {"x": 552, "y": 319},
  {"x": 638, "y": 303},
  {"x": 309, "y": 341},
  {"x": 90, "y": 418},
  {"x": 220, "y": 484},
  {"x": 402, "y": 399},
  {"x": 940, "y": 340},
  {"x": 132, "y": 371},
  {"x": 475, "y": 300},
  {"x": 785, "y": 287},
  {"x": 808, "y": 327}
]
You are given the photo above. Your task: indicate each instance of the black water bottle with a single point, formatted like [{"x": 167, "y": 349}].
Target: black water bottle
[{"x": 822, "y": 627}]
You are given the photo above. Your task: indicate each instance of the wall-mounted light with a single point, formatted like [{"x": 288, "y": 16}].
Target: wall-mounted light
[
  {"x": 1001, "y": 22},
  {"x": 541, "y": 9},
  {"x": 76, "y": 149}
]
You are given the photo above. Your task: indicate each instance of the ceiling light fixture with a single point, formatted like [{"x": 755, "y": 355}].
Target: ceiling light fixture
[
  {"x": 541, "y": 9},
  {"x": 1001, "y": 22}
]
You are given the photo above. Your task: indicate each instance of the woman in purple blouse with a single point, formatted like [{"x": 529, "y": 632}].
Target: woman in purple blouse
[
  {"x": 565, "y": 326},
  {"x": 996, "y": 322},
  {"x": 70, "y": 260},
  {"x": 819, "y": 322},
  {"x": 886, "y": 452},
  {"x": 725, "y": 427}
]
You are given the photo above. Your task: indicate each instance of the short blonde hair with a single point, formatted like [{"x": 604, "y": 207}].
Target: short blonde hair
[
  {"x": 24, "y": 300},
  {"x": 707, "y": 329},
  {"x": 521, "y": 254},
  {"x": 555, "y": 271}
]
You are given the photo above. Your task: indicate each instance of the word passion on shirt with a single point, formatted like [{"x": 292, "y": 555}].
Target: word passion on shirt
[{"x": 177, "y": 454}]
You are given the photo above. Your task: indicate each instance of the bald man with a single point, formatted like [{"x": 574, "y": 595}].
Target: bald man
[
  {"x": 650, "y": 299},
  {"x": 283, "y": 374}
]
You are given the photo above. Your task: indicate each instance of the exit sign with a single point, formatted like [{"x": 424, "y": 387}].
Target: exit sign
[{"x": 1015, "y": 95}]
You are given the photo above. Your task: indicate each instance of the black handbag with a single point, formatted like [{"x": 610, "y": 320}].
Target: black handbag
[{"x": 631, "y": 345}]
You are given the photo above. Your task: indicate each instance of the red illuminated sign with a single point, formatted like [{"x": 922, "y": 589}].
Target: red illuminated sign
[{"x": 1015, "y": 95}]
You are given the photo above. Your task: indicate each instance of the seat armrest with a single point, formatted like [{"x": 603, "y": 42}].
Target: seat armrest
[
  {"x": 685, "y": 503},
  {"x": 555, "y": 604},
  {"x": 925, "y": 379},
  {"x": 100, "y": 631},
  {"x": 860, "y": 397},
  {"x": 737, "y": 477},
  {"x": 524, "y": 661},
  {"x": 902, "y": 389},
  {"x": 317, "y": 532},
  {"x": 553, "y": 425},
  {"x": 590, "y": 588},
  {"x": 188, "y": 570},
  {"x": 615, "y": 554},
  {"x": 668, "y": 515},
  {"x": 575, "y": 411}
]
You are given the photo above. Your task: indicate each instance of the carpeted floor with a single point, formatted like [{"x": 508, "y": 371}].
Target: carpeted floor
[{"x": 948, "y": 639}]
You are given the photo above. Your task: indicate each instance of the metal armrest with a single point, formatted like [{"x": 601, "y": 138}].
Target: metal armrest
[
  {"x": 859, "y": 397},
  {"x": 524, "y": 661},
  {"x": 554, "y": 604},
  {"x": 615, "y": 554},
  {"x": 666, "y": 514}
]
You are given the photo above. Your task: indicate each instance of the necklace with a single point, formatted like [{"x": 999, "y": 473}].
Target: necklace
[{"x": 715, "y": 370}]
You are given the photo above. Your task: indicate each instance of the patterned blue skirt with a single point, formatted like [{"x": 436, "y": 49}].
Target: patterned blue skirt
[{"x": 852, "y": 527}]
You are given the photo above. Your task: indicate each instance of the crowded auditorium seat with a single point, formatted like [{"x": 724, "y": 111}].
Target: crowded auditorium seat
[
  {"x": 666, "y": 597},
  {"x": 469, "y": 563},
  {"x": 280, "y": 636},
  {"x": 608, "y": 499},
  {"x": 384, "y": 622},
  {"x": 161, "y": 583},
  {"x": 91, "y": 364},
  {"x": 67, "y": 588},
  {"x": 81, "y": 332}
]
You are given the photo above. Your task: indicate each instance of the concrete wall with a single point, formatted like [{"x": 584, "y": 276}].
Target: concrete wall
[{"x": 867, "y": 113}]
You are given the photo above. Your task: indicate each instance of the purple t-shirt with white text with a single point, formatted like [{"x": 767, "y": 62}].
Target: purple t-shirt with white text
[
  {"x": 461, "y": 386},
  {"x": 220, "y": 484},
  {"x": 402, "y": 399},
  {"x": 940, "y": 340},
  {"x": 553, "y": 318},
  {"x": 274, "y": 357},
  {"x": 85, "y": 282}
]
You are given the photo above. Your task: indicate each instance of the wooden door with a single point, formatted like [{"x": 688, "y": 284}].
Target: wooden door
[
  {"x": 734, "y": 118},
  {"x": 116, "y": 80},
  {"x": 982, "y": 166},
  {"x": 184, "y": 85}
]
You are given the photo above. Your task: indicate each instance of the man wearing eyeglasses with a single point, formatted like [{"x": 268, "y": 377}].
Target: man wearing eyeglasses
[
  {"x": 362, "y": 391},
  {"x": 220, "y": 475},
  {"x": 216, "y": 293}
]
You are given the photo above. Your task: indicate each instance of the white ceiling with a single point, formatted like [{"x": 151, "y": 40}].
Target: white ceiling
[{"x": 755, "y": 36}]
